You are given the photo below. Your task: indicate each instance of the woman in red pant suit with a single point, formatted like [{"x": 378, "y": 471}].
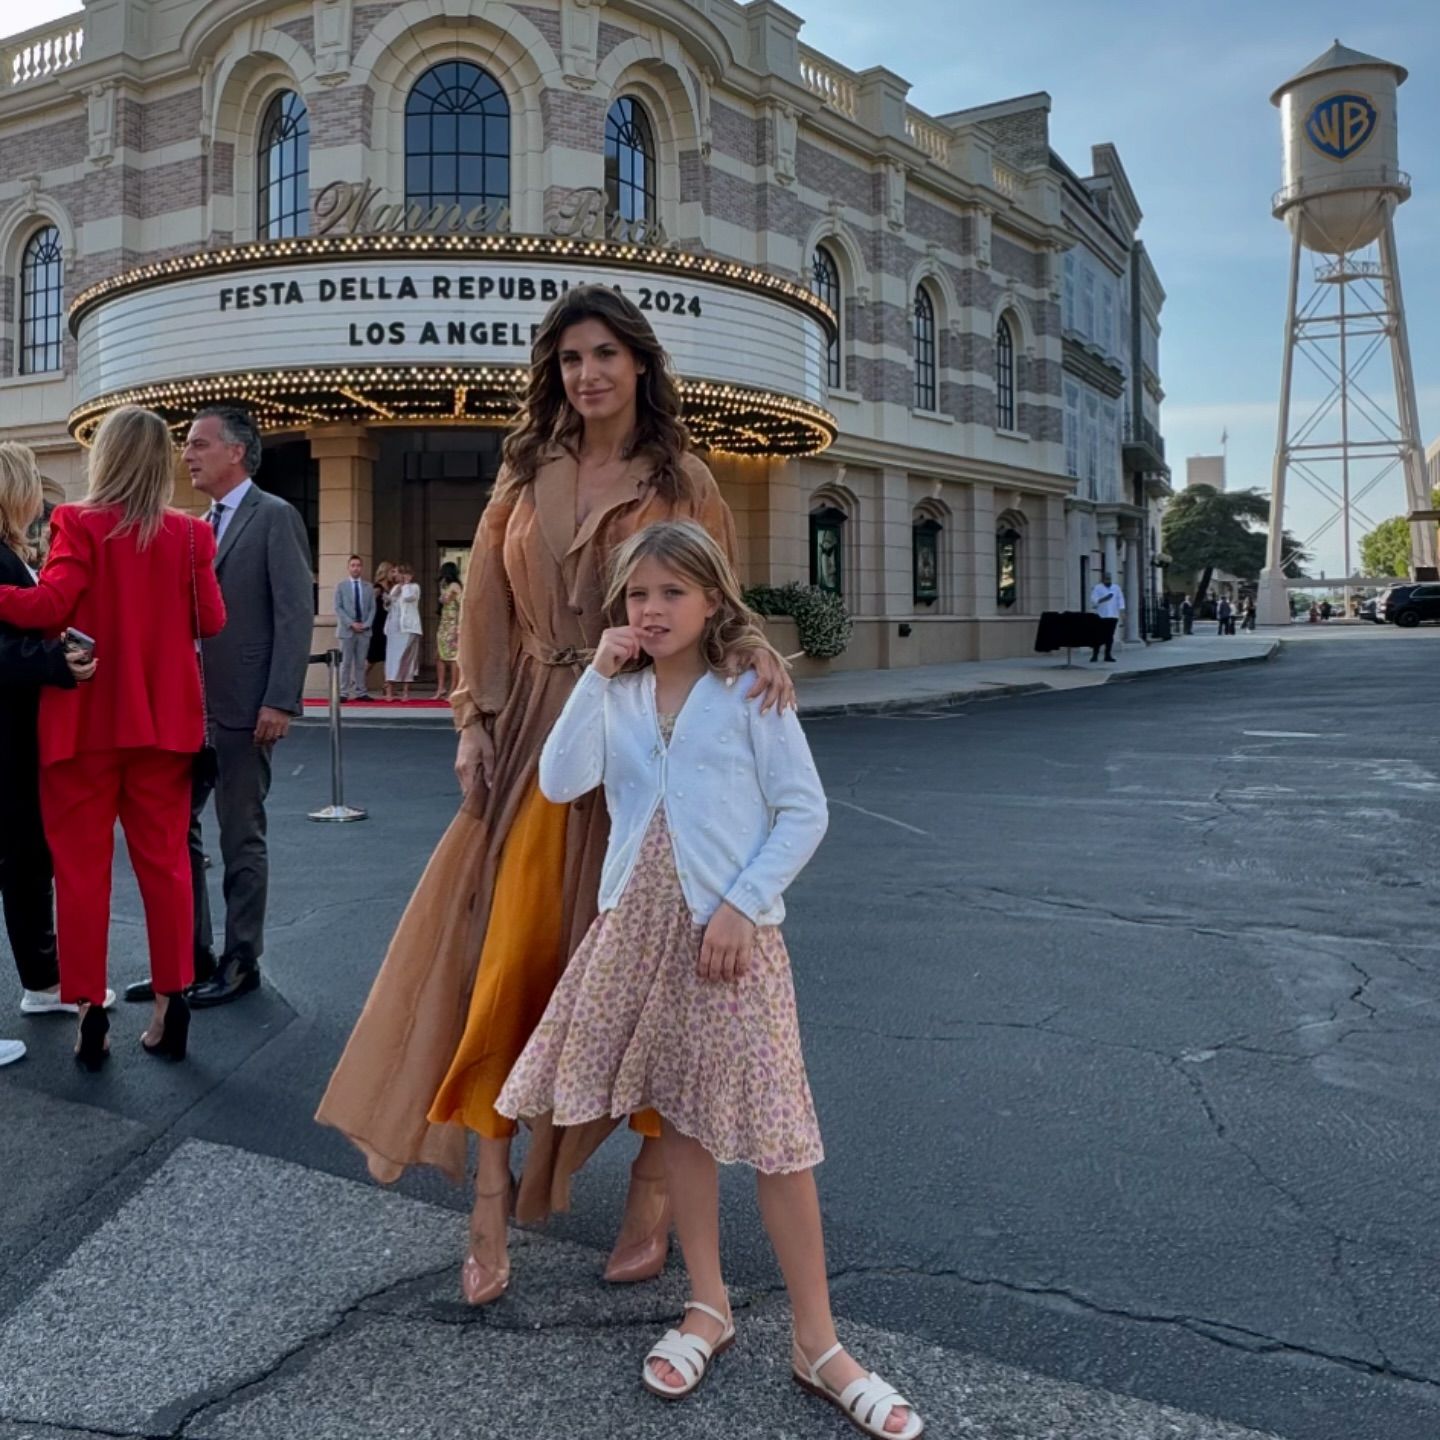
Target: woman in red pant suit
[{"x": 121, "y": 570}]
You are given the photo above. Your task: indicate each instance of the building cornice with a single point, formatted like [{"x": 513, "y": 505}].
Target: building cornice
[{"x": 1088, "y": 365}]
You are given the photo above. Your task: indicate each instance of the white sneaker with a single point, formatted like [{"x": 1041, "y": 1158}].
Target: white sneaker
[
  {"x": 48, "y": 1002},
  {"x": 11, "y": 1050}
]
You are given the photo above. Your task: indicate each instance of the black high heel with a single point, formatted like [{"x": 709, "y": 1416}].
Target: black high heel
[
  {"x": 175, "y": 1035},
  {"x": 94, "y": 1027}
]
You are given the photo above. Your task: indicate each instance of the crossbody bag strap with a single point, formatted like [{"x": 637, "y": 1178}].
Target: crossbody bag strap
[{"x": 190, "y": 524}]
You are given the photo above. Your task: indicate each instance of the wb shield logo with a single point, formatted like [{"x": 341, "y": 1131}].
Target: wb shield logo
[{"x": 1340, "y": 125}]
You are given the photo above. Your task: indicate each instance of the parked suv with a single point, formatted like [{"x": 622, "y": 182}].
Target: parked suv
[{"x": 1408, "y": 605}]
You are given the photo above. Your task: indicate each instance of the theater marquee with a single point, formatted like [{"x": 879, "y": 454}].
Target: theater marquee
[{"x": 437, "y": 329}]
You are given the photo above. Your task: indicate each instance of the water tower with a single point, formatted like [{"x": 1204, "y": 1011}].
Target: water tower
[{"x": 1342, "y": 184}]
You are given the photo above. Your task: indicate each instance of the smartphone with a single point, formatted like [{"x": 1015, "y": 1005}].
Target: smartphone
[{"x": 79, "y": 640}]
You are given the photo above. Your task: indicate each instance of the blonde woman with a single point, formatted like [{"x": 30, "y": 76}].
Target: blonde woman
[
  {"x": 384, "y": 579},
  {"x": 27, "y": 662},
  {"x": 123, "y": 747},
  {"x": 403, "y": 631}
]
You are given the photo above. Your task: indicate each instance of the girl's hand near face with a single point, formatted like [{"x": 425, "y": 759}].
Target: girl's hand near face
[
  {"x": 725, "y": 950},
  {"x": 617, "y": 648}
]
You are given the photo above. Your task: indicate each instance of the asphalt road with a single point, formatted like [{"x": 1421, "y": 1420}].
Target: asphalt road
[{"x": 1121, "y": 1008}]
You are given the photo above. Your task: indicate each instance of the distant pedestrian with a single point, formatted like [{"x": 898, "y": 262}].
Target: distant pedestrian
[
  {"x": 384, "y": 579},
  {"x": 1187, "y": 616},
  {"x": 447, "y": 638},
  {"x": 1326, "y": 611},
  {"x": 1108, "y": 602},
  {"x": 1247, "y": 614},
  {"x": 354, "y": 620},
  {"x": 403, "y": 629},
  {"x": 1223, "y": 618}
]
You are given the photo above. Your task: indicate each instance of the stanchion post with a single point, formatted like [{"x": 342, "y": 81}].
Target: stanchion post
[{"x": 337, "y": 811}]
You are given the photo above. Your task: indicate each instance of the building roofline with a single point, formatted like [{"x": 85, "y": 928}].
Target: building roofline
[{"x": 998, "y": 109}]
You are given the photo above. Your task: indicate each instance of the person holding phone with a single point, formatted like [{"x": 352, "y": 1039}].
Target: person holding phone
[
  {"x": 123, "y": 746},
  {"x": 27, "y": 663}
]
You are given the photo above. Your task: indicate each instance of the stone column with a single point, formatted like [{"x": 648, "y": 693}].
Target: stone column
[
  {"x": 1132, "y": 590},
  {"x": 346, "y": 456}
]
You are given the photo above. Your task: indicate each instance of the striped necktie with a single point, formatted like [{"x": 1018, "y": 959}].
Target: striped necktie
[{"x": 216, "y": 515}]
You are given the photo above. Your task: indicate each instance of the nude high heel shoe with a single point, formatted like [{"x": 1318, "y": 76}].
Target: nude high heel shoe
[
  {"x": 642, "y": 1259},
  {"x": 478, "y": 1283}
]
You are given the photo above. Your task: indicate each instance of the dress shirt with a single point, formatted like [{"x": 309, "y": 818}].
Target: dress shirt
[
  {"x": 227, "y": 508},
  {"x": 743, "y": 803},
  {"x": 1108, "y": 601}
]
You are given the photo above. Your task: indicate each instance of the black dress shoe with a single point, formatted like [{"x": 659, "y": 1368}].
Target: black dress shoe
[
  {"x": 233, "y": 979},
  {"x": 141, "y": 992}
]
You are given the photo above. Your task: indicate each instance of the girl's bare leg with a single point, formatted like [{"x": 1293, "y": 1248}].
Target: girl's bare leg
[
  {"x": 790, "y": 1207},
  {"x": 694, "y": 1183}
]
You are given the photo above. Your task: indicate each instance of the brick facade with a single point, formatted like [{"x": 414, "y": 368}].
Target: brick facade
[{"x": 765, "y": 184}]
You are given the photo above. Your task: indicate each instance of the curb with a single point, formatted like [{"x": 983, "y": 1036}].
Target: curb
[
  {"x": 1270, "y": 654},
  {"x": 899, "y": 704},
  {"x": 953, "y": 698},
  {"x": 891, "y": 705}
]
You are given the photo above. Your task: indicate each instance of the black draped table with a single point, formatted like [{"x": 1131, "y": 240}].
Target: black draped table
[{"x": 1069, "y": 630}]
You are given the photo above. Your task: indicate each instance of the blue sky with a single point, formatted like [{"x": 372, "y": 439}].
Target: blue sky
[{"x": 1183, "y": 92}]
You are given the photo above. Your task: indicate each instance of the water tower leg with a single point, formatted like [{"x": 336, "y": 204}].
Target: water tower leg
[
  {"x": 1272, "y": 603},
  {"x": 1417, "y": 493}
]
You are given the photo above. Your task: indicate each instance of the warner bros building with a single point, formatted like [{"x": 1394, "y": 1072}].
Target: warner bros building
[{"x": 920, "y": 350}]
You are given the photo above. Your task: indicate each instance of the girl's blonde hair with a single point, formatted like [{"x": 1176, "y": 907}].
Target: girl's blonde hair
[
  {"x": 132, "y": 466},
  {"x": 734, "y": 631},
  {"x": 383, "y": 571},
  {"x": 21, "y": 497}
]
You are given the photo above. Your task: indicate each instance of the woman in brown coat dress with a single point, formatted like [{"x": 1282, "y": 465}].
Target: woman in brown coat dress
[{"x": 597, "y": 453}]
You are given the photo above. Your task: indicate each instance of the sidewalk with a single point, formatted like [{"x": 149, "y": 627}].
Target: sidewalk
[
  {"x": 872, "y": 691},
  {"x": 332, "y": 1311}
]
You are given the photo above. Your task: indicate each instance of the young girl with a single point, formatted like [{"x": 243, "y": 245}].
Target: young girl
[{"x": 680, "y": 998}]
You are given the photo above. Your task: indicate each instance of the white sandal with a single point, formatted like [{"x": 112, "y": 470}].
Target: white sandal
[
  {"x": 867, "y": 1404},
  {"x": 689, "y": 1354}
]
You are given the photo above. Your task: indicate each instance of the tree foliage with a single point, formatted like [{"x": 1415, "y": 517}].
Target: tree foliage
[
  {"x": 1206, "y": 529},
  {"x": 1386, "y": 549}
]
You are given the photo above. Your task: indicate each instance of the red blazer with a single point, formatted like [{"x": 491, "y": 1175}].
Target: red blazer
[{"x": 138, "y": 606}]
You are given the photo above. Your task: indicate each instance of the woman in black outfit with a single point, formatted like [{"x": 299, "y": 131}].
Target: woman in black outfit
[{"x": 27, "y": 661}]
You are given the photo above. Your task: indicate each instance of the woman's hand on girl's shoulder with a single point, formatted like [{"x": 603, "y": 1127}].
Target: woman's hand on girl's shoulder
[
  {"x": 617, "y": 648},
  {"x": 773, "y": 686}
]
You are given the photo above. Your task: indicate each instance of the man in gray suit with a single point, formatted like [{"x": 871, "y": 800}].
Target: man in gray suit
[
  {"x": 254, "y": 679},
  {"x": 354, "y": 619}
]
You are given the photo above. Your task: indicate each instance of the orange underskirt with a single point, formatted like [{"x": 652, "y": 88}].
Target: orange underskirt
[{"x": 520, "y": 964}]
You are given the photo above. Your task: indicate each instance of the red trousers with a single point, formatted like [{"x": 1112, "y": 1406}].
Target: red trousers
[{"x": 148, "y": 791}]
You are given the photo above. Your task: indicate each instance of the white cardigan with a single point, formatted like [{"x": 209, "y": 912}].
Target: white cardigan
[
  {"x": 743, "y": 803},
  {"x": 403, "y": 603}
]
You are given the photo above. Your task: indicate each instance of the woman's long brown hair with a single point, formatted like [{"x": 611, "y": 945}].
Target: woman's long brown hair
[{"x": 547, "y": 419}]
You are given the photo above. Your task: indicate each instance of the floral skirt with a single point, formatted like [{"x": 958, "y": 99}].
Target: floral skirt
[{"x": 631, "y": 1025}]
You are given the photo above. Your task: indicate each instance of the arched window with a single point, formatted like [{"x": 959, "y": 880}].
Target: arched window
[
  {"x": 925, "y": 359},
  {"x": 629, "y": 161},
  {"x": 457, "y": 139},
  {"x": 925, "y": 559},
  {"x": 827, "y": 549},
  {"x": 282, "y": 202},
  {"x": 42, "y": 295},
  {"x": 1004, "y": 376},
  {"x": 825, "y": 282},
  {"x": 1007, "y": 566}
]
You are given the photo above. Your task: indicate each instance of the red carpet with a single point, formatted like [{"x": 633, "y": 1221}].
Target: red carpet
[{"x": 426, "y": 704}]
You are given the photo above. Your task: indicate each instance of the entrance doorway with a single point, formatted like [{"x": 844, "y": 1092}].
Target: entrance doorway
[{"x": 430, "y": 489}]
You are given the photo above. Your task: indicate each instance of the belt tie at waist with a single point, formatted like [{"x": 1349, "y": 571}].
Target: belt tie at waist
[{"x": 574, "y": 656}]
